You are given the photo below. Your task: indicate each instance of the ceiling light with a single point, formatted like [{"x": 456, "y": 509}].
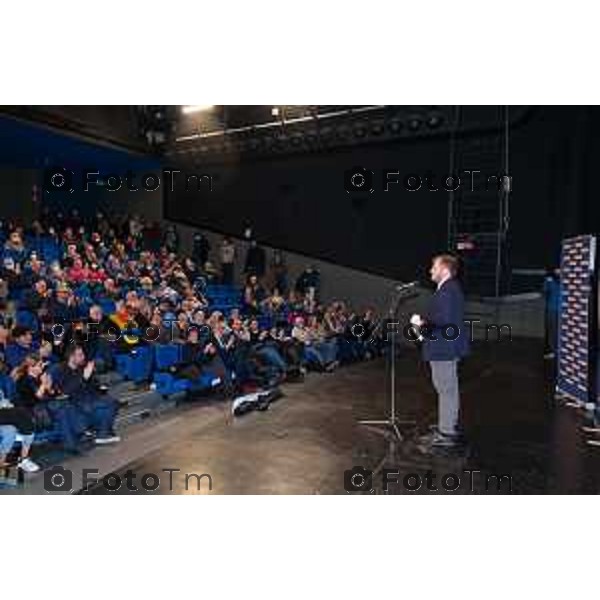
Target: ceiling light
[
  {"x": 194, "y": 108},
  {"x": 395, "y": 126},
  {"x": 414, "y": 124},
  {"x": 360, "y": 130},
  {"x": 434, "y": 121},
  {"x": 377, "y": 128}
]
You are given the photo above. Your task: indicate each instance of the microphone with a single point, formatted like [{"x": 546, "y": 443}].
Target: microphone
[
  {"x": 406, "y": 286},
  {"x": 402, "y": 292}
]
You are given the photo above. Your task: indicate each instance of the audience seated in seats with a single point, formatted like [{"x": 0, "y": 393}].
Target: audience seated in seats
[
  {"x": 14, "y": 248},
  {"x": 266, "y": 349},
  {"x": 320, "y": 353},
  {"x": 8, "y": 435},
  {"x": 253, "y": 295},
  {"x": 209, "y": 272},
  {"x": 295, "y": 306},
  {"x": 87, "y": 408},
  {"x": 33, "y": 387},
  {"x": 274, "y": 306},
  {"x": 12, "y": 273},
  {"x": 196, "y": 354},
  {"x": 78, "y": 273},
  {"x": 96, "y": 339},
  {"x": 46, "y": 353},
  {"x": 38, "y": 299},
  {"x": 20, "y": 347},
  {"x": 64, "y": 305},
  {"x": 112, "y": 287}
]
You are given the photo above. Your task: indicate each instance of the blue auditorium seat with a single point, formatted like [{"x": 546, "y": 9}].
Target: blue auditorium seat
[
  {"x": 7, "y": 386},
  {"x": 135, "y": 365},
  {"x": 26, "y": 318},
  {"x": 51, "y": 435},
  {"x": 108, "y": 306},
  {"x": 167, "y": 384},
  {"x": 166, "y": 355},
  {"x": 265, "y": 322}
]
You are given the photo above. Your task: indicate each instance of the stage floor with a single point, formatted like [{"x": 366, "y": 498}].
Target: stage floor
[{"x": 307, "y": 439}]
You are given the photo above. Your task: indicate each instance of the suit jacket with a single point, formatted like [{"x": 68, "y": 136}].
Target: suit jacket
[{"x": 445, "y": 316}]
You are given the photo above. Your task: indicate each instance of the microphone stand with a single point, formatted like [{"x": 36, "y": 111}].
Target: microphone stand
[{"x": 393, "y": 422}]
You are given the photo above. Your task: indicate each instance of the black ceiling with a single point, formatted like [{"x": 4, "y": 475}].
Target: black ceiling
[{"x": 253, "y": 131}]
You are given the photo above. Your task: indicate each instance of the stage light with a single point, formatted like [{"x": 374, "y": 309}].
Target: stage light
[
  {"x": 395, "y": 126},
  {"x": 194, "y": 108},
  {"x": 377, "y": 128},
  {"x": 414, "y": 124},
  {"x": 342, "y": 132},
  {"x": 360, "y": 130},
  {"x": 434, "y": 121},
  {"x": 275, "y": 111}
]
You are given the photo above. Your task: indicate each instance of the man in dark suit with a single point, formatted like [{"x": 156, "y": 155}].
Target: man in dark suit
[{"x": 445, "y": 341}]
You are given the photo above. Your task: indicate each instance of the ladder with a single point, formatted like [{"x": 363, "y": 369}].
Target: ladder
[{"x": 478, "y": 208}]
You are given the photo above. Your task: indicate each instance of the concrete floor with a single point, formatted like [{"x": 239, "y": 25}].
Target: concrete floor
[
  {"x": 307, "y": 439},
  {"x": 511, "y": 421},
  {"x": 301, "y": 445}
]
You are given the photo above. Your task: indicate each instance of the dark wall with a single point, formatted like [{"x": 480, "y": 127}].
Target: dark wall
[
  {"x": 114, "y": 124},
  {"x": 17, "y": 200},
  {"x": 299, "y": 202},
  {"x": 27, "y": 150},
  {"x": 554, "y": 163}
]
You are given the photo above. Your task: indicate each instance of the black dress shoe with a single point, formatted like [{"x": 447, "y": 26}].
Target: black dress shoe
[
  {"x": 265, "y": 399},
  {"x": 244, "y": 408},
  {"x": 263, "y": 404}
]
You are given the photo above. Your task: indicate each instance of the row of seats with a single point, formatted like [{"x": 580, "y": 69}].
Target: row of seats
[
  {"x": 46, "y": 247},
  {"x": 8, "y": 389},
  {"x": 146, "y": 363},
  {"x": 156, "y": 361},
  {"x": 222, "y": 301},
  {"x": 166, "y": 357},
  {"x": 223, "y": 298},
  {"x": 153, "y": 363}
]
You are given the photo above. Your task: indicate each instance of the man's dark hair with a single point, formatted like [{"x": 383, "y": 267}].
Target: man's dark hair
[
  {"x": 18, "y": 331},
  {"x": 71, "y": 348}
]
